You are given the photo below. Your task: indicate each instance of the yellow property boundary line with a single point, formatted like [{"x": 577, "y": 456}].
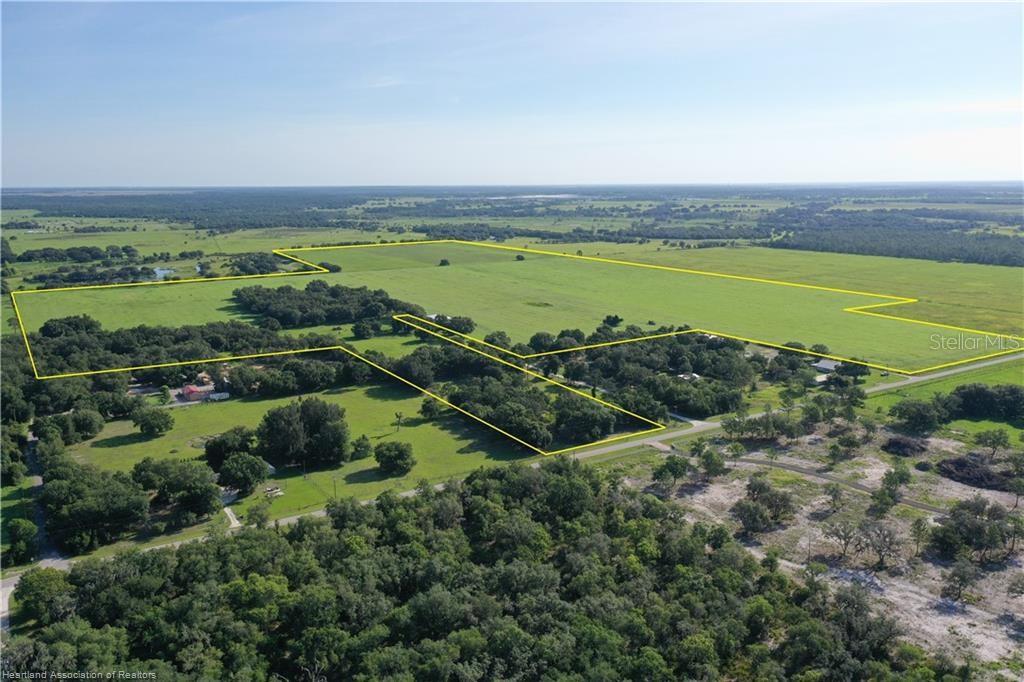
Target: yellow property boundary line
[
  {"x": 316, "y": 269},
  {"x": 418, "y": 323}
]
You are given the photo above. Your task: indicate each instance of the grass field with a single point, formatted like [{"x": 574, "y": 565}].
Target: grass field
[
  {"x": 985, "y": 297},
  {"x": 443, "y": 448},
  {"x": 1005, "y": 373},
  {"x": 548, "y": 292}
]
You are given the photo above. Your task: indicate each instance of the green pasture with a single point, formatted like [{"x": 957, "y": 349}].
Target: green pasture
[
  {"x": 1003, "y": 373},
  {"x": 446, "y": 447},
  {"x": 986, "y": 297},
  {"x": 369, "y": 410},
  {"x": 155, "y": 237},
  {"x": 548, "y": 292}
]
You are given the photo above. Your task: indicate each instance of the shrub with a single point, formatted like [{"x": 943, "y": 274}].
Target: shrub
[
  {"x": 394, "y": 459},
  {"x": 905, "y": 446},
  {"x": 972, "y": 469}
]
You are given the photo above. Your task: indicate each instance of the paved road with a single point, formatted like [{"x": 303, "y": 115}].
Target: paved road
[{"x": 944, "y": 373}]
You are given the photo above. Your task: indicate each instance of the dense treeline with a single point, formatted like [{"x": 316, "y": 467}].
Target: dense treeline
[
  {"x": 79, "y": 343},
  {"x": 69, "y": 276},
  {"x": 320, "y": 303},
  {"x": 207, "y": 209},
  {"x": 988, "y": 249},
  {"x": 518, "y": 573},
  {"x": 78, "y": 254},
  {"x": 647, "y": 377},
  {"x": 902, "y": 234}
]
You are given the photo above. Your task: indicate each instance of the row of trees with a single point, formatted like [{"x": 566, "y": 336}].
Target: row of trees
[
  {"x": 79, "y": 343},
  {"x": 78, "y": 254}
]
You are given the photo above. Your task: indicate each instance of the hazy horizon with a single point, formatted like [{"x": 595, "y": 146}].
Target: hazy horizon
[{"x": 222, "y": 95}]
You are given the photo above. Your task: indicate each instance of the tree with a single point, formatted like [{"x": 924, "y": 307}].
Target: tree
[
  {"x": 919, "y": 532},
  {"x": 672, "y": 469},
  {"x": 613, "y": 320},
  {"x": 753, "y": 516},
  {"x": 153, "y": 421},
  {"x": 962, "y": 575},
  {"x": 917, "y": 416},
  {"x": 189, "y": 485},
  {"x": 311, "y": 431},
  {"x": 281, "y": 435},
  {"x": 432, "y": 409},
  {"x": 444, "y": 262},
  {"x": 835, "y": 496},
  {"x": 363, "y": 330},
  {"x": 881, "y": 539},
  {"x": 22, "y": 544},
  {"x": 165, "y": 395},
  {"x": 394, "y": 458},
  {"x": 259, "y": 513},
  {"x": 1016, "y": 486},
  {"x": 712, "y": 463},
  {"x": 994, "y": 439},
  {"x": 236, "y": 441},
  {"x": 736, "y": 450},
  {"x": 45, "y": 594},
  {"x": 87, "y": 423},
  {"x": 243, "y": 472},
  {"x": 399, "y": 416},
  {"x": 844, "y": 533},
  {"x": 361, "y": 448}
]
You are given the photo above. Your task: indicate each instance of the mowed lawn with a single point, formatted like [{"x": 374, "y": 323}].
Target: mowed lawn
[
  {"x": 443, "y": 448},
  {"x": 1004, "y": 373},
  {"x": 549, "y": 292}
]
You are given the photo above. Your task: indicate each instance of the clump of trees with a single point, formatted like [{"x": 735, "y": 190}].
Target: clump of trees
[
  {"x": 1004, "y": 402},
  {"x": 187, "y": 488},
  {"x": 310, "y": 432},
  {"x": 321, "y": 303},
  {"x": 84, "y": 506},
  {"x": 243, "y": 472},
  {"x": 643, "y": 377},
  {"x": 764, "y": 506},
  {"x": 534, "y": 573},
  {"x": 260, "y": 263},
  {"x": 71, "y": 427},
  {"x": 78, "y": 254},
  {"x": 153, "y": 421}
]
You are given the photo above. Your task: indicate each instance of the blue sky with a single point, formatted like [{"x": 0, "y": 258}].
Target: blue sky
[{"x": 98, "y": 94}]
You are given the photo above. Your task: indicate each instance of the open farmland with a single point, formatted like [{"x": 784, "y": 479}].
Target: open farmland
[
  {"x": 525, "y": 292},
  {"x": 988, "y": 297}
]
